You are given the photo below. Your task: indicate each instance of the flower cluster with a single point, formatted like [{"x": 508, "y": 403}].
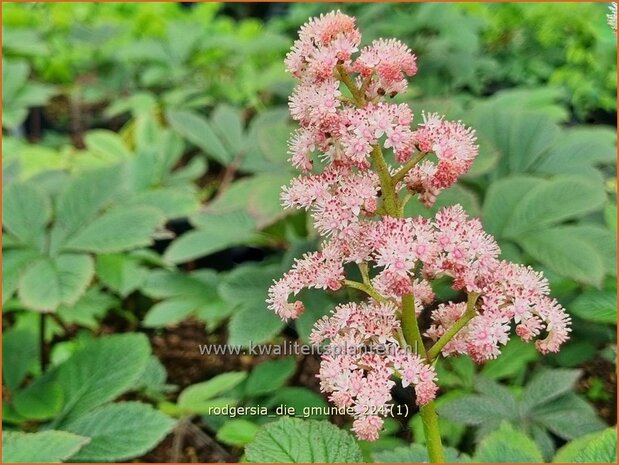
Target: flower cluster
[
  {"x": 355, "y": 376},
  {"x": 356, "y": 201}
]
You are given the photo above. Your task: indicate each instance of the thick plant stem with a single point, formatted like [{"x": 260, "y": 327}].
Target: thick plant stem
[
  {"x": 431, "y": 431},
  {"x": 429, "y": 418},
  {"x": 410, "y": 327}
]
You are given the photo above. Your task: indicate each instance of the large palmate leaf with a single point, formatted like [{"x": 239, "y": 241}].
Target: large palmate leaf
[
  {"x": 520, "y": 137},
  {"x": 100, "y": 372},
  {"x": 291, "y": 440},
  {"x": 119, "y": 431},
  {"x": 502, "y": 197},
  {"x": 106, "y": 144},
  {"x": 565, "y": 253},
  {"x": 118, "y": 229},
  {"x": 122, "y": 273},
  {"x": 547, "y": 405},
  {"x": 14, "y": 262},
  {"x": 20, "y": 350},
  {"x": 83, "y": 198},
  {"x": 554, "y": 201}
]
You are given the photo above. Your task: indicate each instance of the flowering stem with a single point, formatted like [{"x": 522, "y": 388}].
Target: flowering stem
[
  {"x": 470, "y": 312},
  {"x": 352, "y": 87},
  {"x": 429, "y": 418},
  {"x": 410, "y": 326},
  {"x": 431, "y": 430},
  {"x": 369, "y": 290},
  {"x": 363, "y": 269},
  {"x": 396, "y": 178},
  {"x": 386, "y": 185}
]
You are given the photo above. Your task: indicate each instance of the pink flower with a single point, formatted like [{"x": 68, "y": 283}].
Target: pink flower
[
  {"x": 454, "y": 145},
  {"x": 357, "y": 374},
  {"x": 391, "y": 60},
  {"x": 319, "y": 270},
  {"x": 323, "y": 42}
]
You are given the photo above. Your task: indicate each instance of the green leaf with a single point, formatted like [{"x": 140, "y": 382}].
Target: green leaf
[
  {"x": 507, "y": 445},
  {"x": 603, "y": 240},
  {"x": 14, "y": 262},
  {"x": 596, "y": 306},
  {"x": 248, "y": 284},
  {"x": 302, "y": 400},
  {"x": 553, "y": 201},
  {"x": 89, "y": 309},
  {"x": 415, "y": 453},
  {"x": 565, "y": 253},
  {"x": 257, "y": 197},
  {"x": 501, "y": 199},
  {"x": 197, "y": 394},
  {"x": 101, "y": 371},
  {"x": 568, "y": 416},
  {"x": 83, "y": 198},
  {"x": 514, "y": 358},
  {"x": 120, "y": 431},
  {"x": 269, "y": 376},
  {"x": 237, "y": 432},
  {"x": 106, "y": 144},
  {"x": 172, "y": 202},
  {"x": 227, "y": 123},
  {"x": 253, "y": 324},
  {"x": 592, "y": 448},
  {"x": 521, "y": 137},
  {"x": 43, "y": 447},
  {"x": 548, "y": 385},
  {"x": 217, "y": 233},
  {"x": 41, "y": 400},
  {"x": 25, "y": 212},
  {"x": 579, "y": 146},
  {"x": 290, "y": 440},
  {"x": 199, "y": 131},
  {"x": 49, "y": 282},
  {"x": 473, "y": 410},
  {"x": 20, "y": 350},
  {"x": 166, "y": 283},
  {"x": 120, "y": 228},
  {"x": 169, "y": 312},
  {"x": 121, "y": 273}
]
